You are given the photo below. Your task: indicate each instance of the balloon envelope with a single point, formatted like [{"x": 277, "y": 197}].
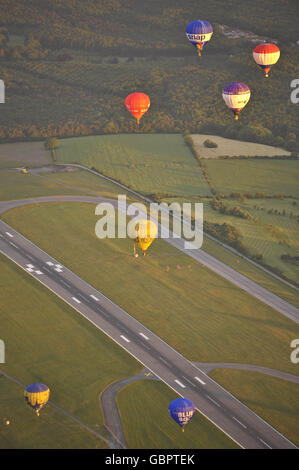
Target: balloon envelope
[
  {"x": 236, "y": 95},
  {"x": 146, "y": 233},
  {"x": 37, "y": 396},
  {"x": 199, "y": 32},
  {"x": 181, "y": 410},
  {"x": 266, "y": 55},
  {"x": 137, "y": 104}
]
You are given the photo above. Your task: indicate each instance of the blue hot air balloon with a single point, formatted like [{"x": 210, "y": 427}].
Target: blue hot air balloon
[
  {"x": 37, "y": 396},
  {"x": 236, "y": 96},
  {"x": 181, "y": 410},
  {"x": 199, "y": 33}
]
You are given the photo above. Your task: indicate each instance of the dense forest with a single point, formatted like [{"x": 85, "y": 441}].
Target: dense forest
[{"x": 68, "y": 66}]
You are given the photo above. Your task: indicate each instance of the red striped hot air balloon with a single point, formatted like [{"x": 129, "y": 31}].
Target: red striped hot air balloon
[
  {"x": 137, "y": 104},
  {"x": 266, "y": 55}
]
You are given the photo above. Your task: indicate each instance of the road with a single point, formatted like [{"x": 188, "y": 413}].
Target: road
[
  {"x": 219, "y": 406},
  {"x": 236, "y": 278}
]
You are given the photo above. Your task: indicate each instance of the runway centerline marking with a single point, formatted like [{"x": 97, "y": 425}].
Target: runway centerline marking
[
  {"x": 212, "y": 399},
  {"x": 9, "y": 234},
  {"x": 240, "y": 422},
  {"x": 163, "y": 360},
  {"x": 11, "y": 243},
  {"x": 143, "y": 336},
  {"x": 125, "y": 339},
  {"x": 180, "y": 383},
  {"x": 264, "y": 442},
  {"x": 200, "y": 381},
  {"x": 76, "y": 300},
  {"x": 94, "y": 297}
]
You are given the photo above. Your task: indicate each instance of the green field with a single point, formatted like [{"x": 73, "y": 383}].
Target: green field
[
  {"x": 23, "y": 154},
  {"x": 52, "y": 430},
  {"x": 47, "y": 341},
  {"x": 167, "y": 291},
  {"x": 275, "y": 400},
  {"x": 270, "y": 234},
  {"x": 15, "y": 185},
  {"x": 268, "y": 176},
  {"x": 159, "y": 163},
  {"x": 232, "y": 147},
  {"x": 151, "y": 427},
  {"x": 76, "y": 360}
]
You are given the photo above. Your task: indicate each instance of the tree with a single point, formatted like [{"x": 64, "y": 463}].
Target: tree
[{"x": 51, "y": 144}]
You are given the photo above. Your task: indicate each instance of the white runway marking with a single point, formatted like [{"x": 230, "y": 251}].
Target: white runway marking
[
  {"x": 11, "y": 243},
  {"x": 29, "y": 265},
  {"x": 64, "y": 283},
  {"x": 94, "y": 297},
  {"x": 143, "y": 336},
  {"x": 58, "y": 270},
  {"x": 180, "y": 383},
  {"x": 126, "y": 339},
  {"x": 30, "y": 270},
  {"x": 76, "y": 300},
  {"x": 38, "y": 272},
  {"x": 49, "y": 263},
  {"x": 240, "y": 422},
  {"x": 199, "y": 380},
  {"x": 163, "y": 360},
  {"x": 9, "y": 234},
  {"x": 58, "y": 266},
  {"x": 264, "y": 443},
  {"x": 212, "y": 399}
]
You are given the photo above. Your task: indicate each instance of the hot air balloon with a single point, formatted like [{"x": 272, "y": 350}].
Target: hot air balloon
[
  {"x": 37, "y": 396},
  {"x": 181, "y": 410},
  {"x": 146, "y": 233},
  {"x": 236, "y": 96},
  {"x": 266, "y": 55},
  {"x": 137, "y": 104},
  {"x": 199, "y": 33}
]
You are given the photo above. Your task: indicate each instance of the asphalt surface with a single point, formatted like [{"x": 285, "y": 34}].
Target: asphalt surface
[
  {"x": 236, "y": 278},
  {"x": 219, "y": 406}
]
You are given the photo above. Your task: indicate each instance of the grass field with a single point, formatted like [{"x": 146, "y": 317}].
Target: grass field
[
  {"x": 23, "y": 154},
  {"x": 167, "y": 291},
  {"x": 76, "y": 360},
  {"x": 15, "y": 185},
  {"x": 151, "y": 427},
  {"x": 269, "y": 234},
  {"x": 232, "y": 147},
  {"x": 52, "y": 430},
  {"x": 148, "y": 163},
  {"x": 47, "y": 341},
  {"x": 275, "y": 400},
  {"x": 267, "y": 176}
]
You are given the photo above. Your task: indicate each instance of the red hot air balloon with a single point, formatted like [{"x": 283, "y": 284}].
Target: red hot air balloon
[
  {"x": 137, "y": 104},
  {"x": 266, "y": 55}
]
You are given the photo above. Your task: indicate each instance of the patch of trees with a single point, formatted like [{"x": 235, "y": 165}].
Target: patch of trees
[
  {"x": 290, "y": 259},
  {"x": 236, "y": 211},
  {"x": 210, "y": 144}
]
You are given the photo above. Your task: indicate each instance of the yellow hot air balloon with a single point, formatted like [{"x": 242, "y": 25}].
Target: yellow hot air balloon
[
  {"x": 146, "y": 233},
  {"x": 37, "y": 396}
]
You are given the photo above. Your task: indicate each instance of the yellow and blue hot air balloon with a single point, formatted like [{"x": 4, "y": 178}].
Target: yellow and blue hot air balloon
[
  {"x": 146, "y": 233},
  {"x": 37, "y": 396},
  {"x": 181, "y": 410},
  {"x": 199, "y": 32}
]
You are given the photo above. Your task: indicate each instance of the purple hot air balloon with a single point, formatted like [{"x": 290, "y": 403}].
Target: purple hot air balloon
[{"x": 236, "y": 96}]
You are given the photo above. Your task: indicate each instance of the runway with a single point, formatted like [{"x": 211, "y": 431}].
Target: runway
[{"x": 219, "y": 406}]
